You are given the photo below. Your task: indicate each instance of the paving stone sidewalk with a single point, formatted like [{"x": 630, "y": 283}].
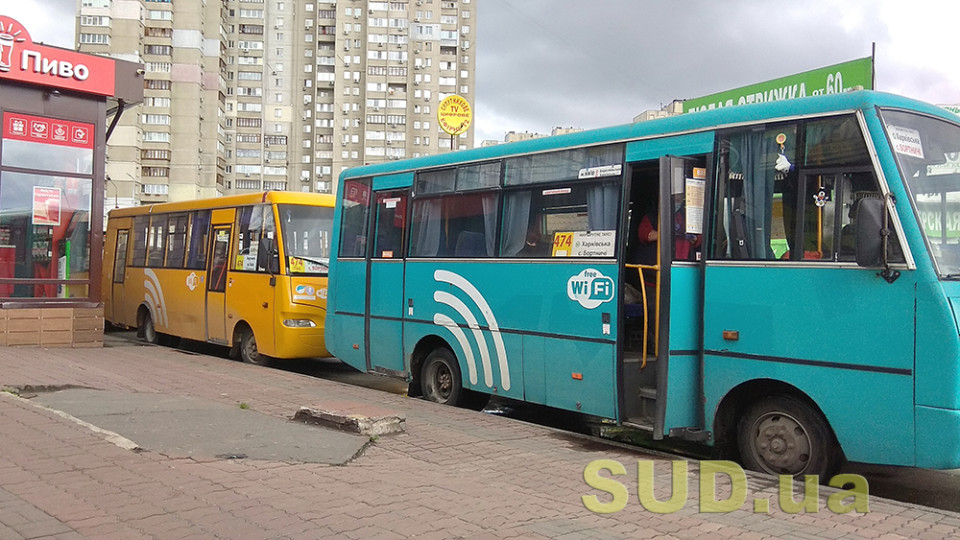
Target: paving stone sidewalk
[{"x": 452, "y": 473}]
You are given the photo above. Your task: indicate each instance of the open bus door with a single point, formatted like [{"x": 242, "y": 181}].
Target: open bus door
[{"x": 661, "y": 358}]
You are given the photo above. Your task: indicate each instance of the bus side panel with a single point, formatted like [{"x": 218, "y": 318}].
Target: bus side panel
[
  {"x": 344, "y": 333},
  {"x": 683, "y": 371},
  {"x": 133, "y": 296},
  {"x": 870, "y": 413},
  {"x": 938, "y": 374},
  {"x": 251, "y": 299},
  {"x": 181, "y": 293},
  {"x": 386, "y": 315},
  {"x": 488, "y": 306},
  {"x": 842, "y": 336}
]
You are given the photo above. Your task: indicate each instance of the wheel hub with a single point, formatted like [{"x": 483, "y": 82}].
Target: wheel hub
[{"x": 782, "y": 444}]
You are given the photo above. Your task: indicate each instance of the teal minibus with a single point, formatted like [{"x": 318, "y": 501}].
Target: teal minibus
[{"x": 780, "y": 281}]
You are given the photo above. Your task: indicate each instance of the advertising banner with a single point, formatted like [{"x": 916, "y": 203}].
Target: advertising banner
[{"x": 827, "y": 80}]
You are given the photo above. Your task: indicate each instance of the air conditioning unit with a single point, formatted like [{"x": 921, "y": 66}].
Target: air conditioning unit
[
  {"x": 346, "y": 32},
  {"x": 343, "y": 143},
  {"x": 376, "y": 109},
  {"x": 416, "y": 19},
  {"x": 346, "y": 47}
]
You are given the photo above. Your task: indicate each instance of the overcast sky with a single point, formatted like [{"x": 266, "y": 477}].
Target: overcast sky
[{"x": 591, "y": 63}]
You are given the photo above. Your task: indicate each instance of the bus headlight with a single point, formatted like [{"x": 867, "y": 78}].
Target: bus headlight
[{"x": 299, "y": 323}]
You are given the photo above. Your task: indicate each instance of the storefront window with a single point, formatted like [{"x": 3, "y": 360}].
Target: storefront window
[{"x": 45, "y": 213}]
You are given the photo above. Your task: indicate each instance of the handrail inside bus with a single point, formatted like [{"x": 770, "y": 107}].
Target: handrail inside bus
[{"x": 656, "y": 316}]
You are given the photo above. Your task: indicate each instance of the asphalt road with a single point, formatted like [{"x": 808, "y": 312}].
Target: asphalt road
[{"x": 933, "y": 488}]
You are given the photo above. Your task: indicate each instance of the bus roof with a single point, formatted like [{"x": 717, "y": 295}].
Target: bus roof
[
  {"x": 684, "y": 123},
  {"x": 279, "y": 197}
]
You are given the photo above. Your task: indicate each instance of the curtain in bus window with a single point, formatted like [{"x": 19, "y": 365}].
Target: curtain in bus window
[
  {"x": 603, "y": 202},
  {"x": 489, "y": 201},
  {"x": 749, "y": 190},
  {"x": 427, "y": 215},
  {"x": 516, "y": 221},
  {"x": 462, "y": 225}
]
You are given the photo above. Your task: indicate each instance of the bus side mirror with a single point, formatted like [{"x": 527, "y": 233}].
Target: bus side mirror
[
  {"x": 869, "y": 219},
  {"x": 267, "y": 256}
]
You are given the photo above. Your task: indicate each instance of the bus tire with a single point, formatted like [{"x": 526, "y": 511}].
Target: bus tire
[
  {"x": 782, "y": 434},
  {"x": 440, "y": 377},
  {"x": 248, "y": 349},
  {"x": 150, "y": 334}
]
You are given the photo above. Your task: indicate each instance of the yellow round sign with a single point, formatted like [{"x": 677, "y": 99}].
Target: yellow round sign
[{"x": 454, "y": 114}]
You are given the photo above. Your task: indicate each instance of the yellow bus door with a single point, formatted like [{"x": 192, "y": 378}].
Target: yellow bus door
[
  {"x": 118, "y": 276},
  {"x": 217, "y": 265}
]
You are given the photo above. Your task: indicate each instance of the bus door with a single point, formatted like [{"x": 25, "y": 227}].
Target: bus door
[
  {"x": 217, "y": 264},
  {"x": 662, "y": 296},
  {"x": 118, "y": 276},
  {"x": 385, "y": 298},
  {"x": 660, "y": 334}
]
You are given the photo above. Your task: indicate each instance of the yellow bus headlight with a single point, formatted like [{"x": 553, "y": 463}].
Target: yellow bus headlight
[{"x": 299, "y": 323}]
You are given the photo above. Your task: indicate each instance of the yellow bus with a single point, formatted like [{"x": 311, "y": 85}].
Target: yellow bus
[{"x": 245, "y": 271}]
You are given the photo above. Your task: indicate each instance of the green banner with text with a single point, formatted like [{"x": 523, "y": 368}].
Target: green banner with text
[{"x": 827, "y": 80}]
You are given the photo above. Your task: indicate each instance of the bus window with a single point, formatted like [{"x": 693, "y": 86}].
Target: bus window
[
  {"x": 155, "y": 241},
  {"x": 306, "y": 237},
  {"x": 199, "y": 234},
  {"x": 141, "y": 226},
  {"x": 353, "y": 226},
  {"x": 176, "y": 240},
  {"x": 217, "y": 279},
  {"x": 460, "y": 225},
  {"x": 390, "y": 224},
  {"x": 254, "y": 224},
  {"x": 120, "y": 256},
  {"x": 780, "y": 200},
  {"x": 543, "y": 222}
]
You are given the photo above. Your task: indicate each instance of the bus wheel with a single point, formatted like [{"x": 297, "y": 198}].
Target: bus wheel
[
  {"x": 150, "y": 334},
  {"x": 248, "y": 349},
  {"x": 784, "y": 435},
  {"x": 440, "y": 377}
]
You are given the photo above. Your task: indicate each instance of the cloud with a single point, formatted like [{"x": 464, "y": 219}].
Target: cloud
[
  {"x": 49, "y": 21},
  {"x": 548, "y": 63}
]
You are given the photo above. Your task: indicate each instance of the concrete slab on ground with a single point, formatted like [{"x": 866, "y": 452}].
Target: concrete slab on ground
[{"x": 183, "y": 426}]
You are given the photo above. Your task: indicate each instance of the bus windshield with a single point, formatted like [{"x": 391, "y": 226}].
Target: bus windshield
[
  {"x": 306, "y": 237},
  {"x": 928, "y": 152}
]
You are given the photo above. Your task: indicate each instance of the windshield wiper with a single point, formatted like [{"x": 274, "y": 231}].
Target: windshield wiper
[{"x": 950, "y": 276}]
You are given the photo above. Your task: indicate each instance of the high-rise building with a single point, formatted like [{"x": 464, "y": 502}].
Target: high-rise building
[{"x": 249, "y": 95}]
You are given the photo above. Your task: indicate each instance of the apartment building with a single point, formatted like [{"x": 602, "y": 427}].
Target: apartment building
[{"x": 249, "y": 95}]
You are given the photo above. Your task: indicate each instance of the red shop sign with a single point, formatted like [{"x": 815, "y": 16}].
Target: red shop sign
[{"x": 23, "y": 60}]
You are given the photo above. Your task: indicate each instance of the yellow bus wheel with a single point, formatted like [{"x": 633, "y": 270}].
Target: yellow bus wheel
[{"x": 248, "y": 349}]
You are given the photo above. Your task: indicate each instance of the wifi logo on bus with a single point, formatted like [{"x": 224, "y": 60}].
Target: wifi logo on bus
[
  {"x": 590, "y": 288},
  {"x": 465, "y": 314}
]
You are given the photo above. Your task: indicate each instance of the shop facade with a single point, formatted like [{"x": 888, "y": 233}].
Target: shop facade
[{"x": 57, "y": 108}]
